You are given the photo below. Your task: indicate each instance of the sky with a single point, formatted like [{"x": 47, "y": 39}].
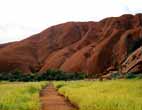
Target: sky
[{"x": 20, "y": 19}]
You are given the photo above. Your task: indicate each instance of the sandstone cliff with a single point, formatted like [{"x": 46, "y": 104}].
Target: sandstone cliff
[{"x": 90, "y": 47}]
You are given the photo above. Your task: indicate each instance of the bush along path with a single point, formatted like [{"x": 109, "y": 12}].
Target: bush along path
[{"x": 52, "y": 100}]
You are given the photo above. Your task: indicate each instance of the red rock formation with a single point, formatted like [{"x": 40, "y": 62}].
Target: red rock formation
[{"x": 89, "y": 47}]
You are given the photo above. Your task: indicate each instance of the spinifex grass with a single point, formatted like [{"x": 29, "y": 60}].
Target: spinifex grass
[
  {"x": 105, "y": 95},
  {"x": 20, "y": 96}
]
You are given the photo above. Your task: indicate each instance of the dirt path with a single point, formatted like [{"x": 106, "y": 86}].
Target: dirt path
[{"x": 51, "y": 100}]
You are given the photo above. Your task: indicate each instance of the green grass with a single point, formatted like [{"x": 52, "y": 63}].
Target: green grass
[
  {"x": 20, "y": 96},
  {"x": 106, "y": 95}
]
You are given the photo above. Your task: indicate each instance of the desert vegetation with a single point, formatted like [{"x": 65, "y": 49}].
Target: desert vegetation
[
  {"x": 20, "y": 96},
  {"x": 50, "y": 74},
  {"x": 21, "y": 92},
  {"x": 107, "y": 95}
]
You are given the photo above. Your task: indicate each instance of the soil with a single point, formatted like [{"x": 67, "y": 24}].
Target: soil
[{"x": 52, "y": 100}]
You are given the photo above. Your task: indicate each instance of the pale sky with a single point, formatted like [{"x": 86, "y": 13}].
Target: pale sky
[{"x": 21, "y": 18}]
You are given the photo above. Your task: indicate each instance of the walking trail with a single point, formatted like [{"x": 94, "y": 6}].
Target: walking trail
[{"x": 52, "y": 100}]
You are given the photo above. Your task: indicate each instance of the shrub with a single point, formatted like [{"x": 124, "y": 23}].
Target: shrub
[
  {"x": 133, "y": 75},
  {"x": 50, "y": 74},
  {"x": 139, "y": 76},
  {"x": 116, "y": 76},
  {"x": 60, "y": 75},
  {"x": 130, "y": 76}
]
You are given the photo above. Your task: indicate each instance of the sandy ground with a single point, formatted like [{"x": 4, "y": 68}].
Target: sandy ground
[{"x": 52, "y": 100}]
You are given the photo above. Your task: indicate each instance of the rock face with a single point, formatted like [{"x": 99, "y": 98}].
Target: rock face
[{"x": 90, "y": 47}]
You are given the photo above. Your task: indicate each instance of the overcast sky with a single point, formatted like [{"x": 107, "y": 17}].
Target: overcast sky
[{"x": 21, "y": 18}]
